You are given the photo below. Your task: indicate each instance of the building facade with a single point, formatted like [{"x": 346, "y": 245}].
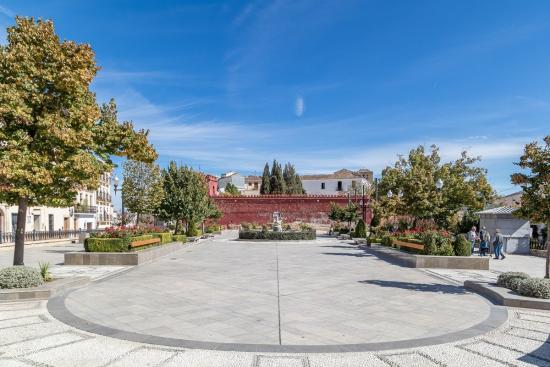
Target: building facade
[
  {"x": 252, "y": 185},
  {"x": 212, "y": 182},
  {"x": 340, "y": 182},
  {"x": 91, "y": 210},
  {"x": 231, "y": 177}
]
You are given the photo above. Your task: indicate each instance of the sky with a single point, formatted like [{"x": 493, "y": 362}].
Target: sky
[{"x": 228, "y": 85}]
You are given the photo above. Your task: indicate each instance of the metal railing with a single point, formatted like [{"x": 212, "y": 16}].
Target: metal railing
[
  {"x": 537, "y": 245},
  {"x": 85, "y": 209},
  {"x": 9, "y": 237}
]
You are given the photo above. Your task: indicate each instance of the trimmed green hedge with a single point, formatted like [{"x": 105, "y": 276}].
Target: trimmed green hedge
[
  {"x": 277, "y": 236},
  {"x": 106, "y": 244},
  {"x": 98, "y": 244},
  {"x": 179, "y": 238},
  {"x": 165, "y": 237},
  {"x": 461, "y": 246},
  {"x": 534, "y": 287}
]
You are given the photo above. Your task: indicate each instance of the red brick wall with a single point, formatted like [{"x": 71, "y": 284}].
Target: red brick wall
[{"x": 259, "y": 209}]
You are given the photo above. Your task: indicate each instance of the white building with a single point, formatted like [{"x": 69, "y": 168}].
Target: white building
[
  {"x": 516, "y": 231},
  {"x": 231, "y": 177},
  {"x": 92, "y": 209},
  {"x": 338, "y": 183}
]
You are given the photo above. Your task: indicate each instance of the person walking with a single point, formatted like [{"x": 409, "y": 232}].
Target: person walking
[
  {"x": 472, "y": 237},
  {"x": 485, "y": 240},
  {"x": 498, "y": 243}
]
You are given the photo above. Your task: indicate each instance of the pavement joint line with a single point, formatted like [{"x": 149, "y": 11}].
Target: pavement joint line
[
  {"x": 278, "y": 294},
  {"x": 530, "y": 354},
  {"x": 32, "y": 363},
  {"x": 465, "y": 348},
  {"x": 169, "y": 359},
  {"x": 385, "y": 358},
  {"x": 520, "y": 317},
  {"x": 55, "y": 346},
  {"x": 121, "y": 356},
  {"x": 34, "y": 338},
  {"x": 258, "y": 357},
  {"x": 526, "y": 329}
]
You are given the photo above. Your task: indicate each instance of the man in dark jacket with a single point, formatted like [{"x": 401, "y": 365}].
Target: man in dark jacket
[{"x": 498, "y": 243}]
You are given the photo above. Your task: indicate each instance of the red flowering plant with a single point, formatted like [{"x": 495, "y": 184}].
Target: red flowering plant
[{"x": 127, "y": 231}]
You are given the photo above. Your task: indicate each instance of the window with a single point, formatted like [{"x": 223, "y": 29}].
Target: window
[
  {"x": 322, "y": 185},
  {"x": 339, "y": 186},
  {"x": 353, "y": 184},
  {"x": 14, "y": 221},
  {"x": 50, "y": 222}
]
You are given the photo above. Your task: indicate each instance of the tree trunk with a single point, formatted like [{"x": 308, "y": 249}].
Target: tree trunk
[
  {"x": 137, "y": 219},
  {"x": 547, "y": 275},
  {"x": 19, "y": 249}
]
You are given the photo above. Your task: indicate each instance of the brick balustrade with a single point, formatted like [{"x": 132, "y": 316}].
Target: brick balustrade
[{"x": 260, "y": 208}]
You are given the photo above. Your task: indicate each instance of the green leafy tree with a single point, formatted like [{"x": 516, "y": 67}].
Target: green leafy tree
[
  {"x": 143, "y": 188},
  {"x": 197, "y": 205},
  {"x": 173, "y": 201},
  {"x": 231, "y": 189},
  {"x": 535, "y": 183},
  {"x": 54, "y": 138},
  {"x": 265, "y": 187},
  {"x": 336, "y": 212},
  {"x": 465, "y": 187},
  {"x": 277, "y": 182}
]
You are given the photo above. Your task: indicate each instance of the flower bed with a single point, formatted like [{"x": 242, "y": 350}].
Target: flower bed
[
  {"x": 250, "y": 234},
  {"x": 119, "y": 239}
]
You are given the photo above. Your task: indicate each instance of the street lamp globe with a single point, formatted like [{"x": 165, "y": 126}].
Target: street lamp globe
[
  {"x": 439, "y": 184},
  {"x": 390, "y": 194},
  {"x": 116, "y": 181},
  {"x": 400, "y": 194}
]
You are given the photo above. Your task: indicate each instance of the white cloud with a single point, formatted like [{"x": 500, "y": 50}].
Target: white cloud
[
  {"x": 6, "y": 11},
  {"x": 299, "y": 106}
]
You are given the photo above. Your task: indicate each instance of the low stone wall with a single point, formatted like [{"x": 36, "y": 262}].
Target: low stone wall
[
  {"x": 43, "y": 292},
  {"x": 538, "y": 253},
  {"x": 505, "y": 297},
  {"x": 121, "y": 258},
  {"x": 429, "y": 261}
]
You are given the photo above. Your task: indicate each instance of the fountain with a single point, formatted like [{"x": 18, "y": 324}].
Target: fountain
[{"x": 277, "y": 222}]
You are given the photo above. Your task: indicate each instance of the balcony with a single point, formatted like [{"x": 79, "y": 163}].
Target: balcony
[{"x": 85, "y": 209}]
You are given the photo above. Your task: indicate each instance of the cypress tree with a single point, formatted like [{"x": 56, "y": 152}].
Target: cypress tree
[
  {"x": 288, "y": 175},
  {"x": 265, "y": 187},
  {"x": 277, "y": 181}
]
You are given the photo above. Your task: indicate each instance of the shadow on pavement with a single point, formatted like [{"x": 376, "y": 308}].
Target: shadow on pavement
[
  {"x": 356, "y": 254},
  {"x": 420, "y": 287}
]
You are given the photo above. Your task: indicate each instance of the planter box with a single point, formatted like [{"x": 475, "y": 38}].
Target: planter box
[
  {"x": 506, "y": 297},
  {"x": 538, "y": 253},
  {"x": 121, "y": 258},
  {"x": 430, "y": 261},
  {"x": 43, "y": 292}
]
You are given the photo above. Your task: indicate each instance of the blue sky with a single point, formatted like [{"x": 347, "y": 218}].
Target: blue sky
[{"x": 324, "y": 84}]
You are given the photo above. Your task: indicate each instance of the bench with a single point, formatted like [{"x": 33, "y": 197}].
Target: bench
[
  {"x": 151, "y": 241},
  {"x": 415, "y": 246}
]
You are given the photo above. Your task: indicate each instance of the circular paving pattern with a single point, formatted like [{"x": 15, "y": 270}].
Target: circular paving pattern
[{"x": 309, "y": 296}]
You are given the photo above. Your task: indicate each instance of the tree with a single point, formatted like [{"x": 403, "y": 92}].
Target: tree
[
  {"x": 360, "y": 229},
  {"x": 231, "y": 189},
  {"x": 292, "y": 180},
  {"x": 196, "y": 202},
  {"x": 465, "y": 187},
  {"x": 535, "y": 199},
  {"x": 142, "y": 189},
  {"x": 265, "y": 187},
  {"x": 343, "y": 214},
  {"x": 54, "y": 138},
  {"x": 277, "y": 182},
  {"x": 173, "y": 201}
]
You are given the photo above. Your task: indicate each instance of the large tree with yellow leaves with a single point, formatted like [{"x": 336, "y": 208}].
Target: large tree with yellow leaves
[{"x": 54, "y": 138}]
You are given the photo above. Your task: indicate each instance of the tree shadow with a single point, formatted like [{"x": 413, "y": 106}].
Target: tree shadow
[
  {"x": 539, "y": 356},
  {"x": 419, "y": 287}
]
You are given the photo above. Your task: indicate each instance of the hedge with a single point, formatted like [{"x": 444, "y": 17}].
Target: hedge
[
  {"x": 20, "y": 277},
  {"x": 277, "y": 236},
  {"x": 106, "y": 244},
  {"x": 165, "y": 237},
  {"x": 534, "y": 287},
  {"x": 112, "y": 244},
  {"x": 461, "y": 246},
  {"x": 510, "y": 279},
  {"x": 179, "y": 238}
]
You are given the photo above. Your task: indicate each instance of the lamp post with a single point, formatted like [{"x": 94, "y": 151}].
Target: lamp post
[{"x": 116, "y": 182}]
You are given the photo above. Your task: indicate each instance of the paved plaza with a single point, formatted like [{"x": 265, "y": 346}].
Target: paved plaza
[
  {"x": 320, "y": 303},
  {"x": 323, "y": 292}
]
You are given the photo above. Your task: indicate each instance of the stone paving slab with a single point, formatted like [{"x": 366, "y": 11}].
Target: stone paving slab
[{"x": 521, "y": 341}]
